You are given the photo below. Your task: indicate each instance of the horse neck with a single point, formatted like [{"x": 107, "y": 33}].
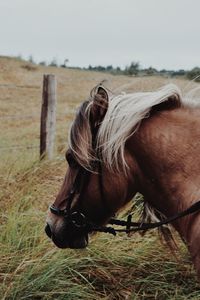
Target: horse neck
[{"x": 168, "y": 158}]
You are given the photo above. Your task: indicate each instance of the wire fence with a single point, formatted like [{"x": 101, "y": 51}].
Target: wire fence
[
  {"x": 19, "y": 117},
  {"x": 26, "y": 147},
  {"x": 19, "y": 147},
  {"x": 34, "y": 116},
  {"x": 14, "y": 86},
  {"x": 35, "y": 146}
]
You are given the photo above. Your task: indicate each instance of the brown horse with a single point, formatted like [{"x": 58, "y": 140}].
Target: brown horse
[{"x": 123, "y": 144}]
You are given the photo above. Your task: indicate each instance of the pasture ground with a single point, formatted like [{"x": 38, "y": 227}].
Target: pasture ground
[{"x": 31, "y": 267}]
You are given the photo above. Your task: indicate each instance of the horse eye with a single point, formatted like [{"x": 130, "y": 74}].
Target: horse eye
[{"x": 71, "y": 160}]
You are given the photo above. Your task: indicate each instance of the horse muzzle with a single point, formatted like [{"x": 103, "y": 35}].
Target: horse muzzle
[{"x": 68, "y": 237}]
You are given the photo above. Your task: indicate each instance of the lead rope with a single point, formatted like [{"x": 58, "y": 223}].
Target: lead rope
[{"x": 136, "y": 226}]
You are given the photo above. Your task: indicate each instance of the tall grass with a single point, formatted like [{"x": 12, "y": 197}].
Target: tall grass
[
  {"x": 31, "y": 267},
  {"x": 110, "y": 268}
]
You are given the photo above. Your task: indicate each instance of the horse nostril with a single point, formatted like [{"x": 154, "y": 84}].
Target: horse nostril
[{"x": 48, "y": 230}]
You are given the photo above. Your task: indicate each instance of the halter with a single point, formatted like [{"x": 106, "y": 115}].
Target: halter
[
  {"x": 79, "y": 221},
  {"x": 76, "y": 218}
]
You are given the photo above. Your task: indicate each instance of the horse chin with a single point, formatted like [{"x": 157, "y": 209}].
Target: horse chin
[{"x": 77, "y": 242}]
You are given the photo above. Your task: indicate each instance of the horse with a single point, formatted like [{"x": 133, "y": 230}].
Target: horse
[{"x": 123, "y": 144}]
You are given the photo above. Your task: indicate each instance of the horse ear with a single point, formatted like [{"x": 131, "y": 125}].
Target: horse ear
[{"x": 99, "y": 106}]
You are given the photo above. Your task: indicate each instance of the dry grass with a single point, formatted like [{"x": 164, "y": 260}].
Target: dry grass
[{"x": 31, "y": 267}]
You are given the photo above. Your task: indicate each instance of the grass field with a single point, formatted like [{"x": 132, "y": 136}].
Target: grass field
[{"x": 31, "y": 267}]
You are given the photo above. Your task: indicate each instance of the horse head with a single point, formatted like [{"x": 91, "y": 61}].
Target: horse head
[{"x": 92, "y": 191}]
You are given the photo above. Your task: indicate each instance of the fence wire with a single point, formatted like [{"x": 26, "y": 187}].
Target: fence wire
[
  {"x": 20, "y": 117},
  {"x": 32, "y": 116},
  {"x": 14, "y": 86},
  {"x": 26, "y": 147}
]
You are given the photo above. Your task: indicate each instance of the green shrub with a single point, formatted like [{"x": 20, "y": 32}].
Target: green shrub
[{"x": 194, "y": 74}]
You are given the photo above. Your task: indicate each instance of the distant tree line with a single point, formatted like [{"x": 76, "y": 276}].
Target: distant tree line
[{"x": 134, "y": 69}]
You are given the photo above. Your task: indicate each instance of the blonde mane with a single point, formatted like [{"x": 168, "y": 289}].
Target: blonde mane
[{"x": 123, "y": 117}]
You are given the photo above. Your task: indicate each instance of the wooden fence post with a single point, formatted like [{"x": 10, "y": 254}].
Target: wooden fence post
[{"x": 48, "y": 117}]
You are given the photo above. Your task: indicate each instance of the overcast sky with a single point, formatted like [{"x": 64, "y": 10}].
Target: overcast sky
[{"x": 158, "y": 33}]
